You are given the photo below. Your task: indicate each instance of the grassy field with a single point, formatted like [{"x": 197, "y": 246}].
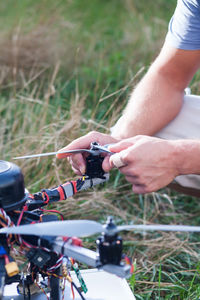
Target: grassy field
[{"x": 67, "y": 67}]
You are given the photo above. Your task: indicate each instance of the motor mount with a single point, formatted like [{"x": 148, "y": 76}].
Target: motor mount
[
  {"x": 12, "y": 191},
  {"x": 109, "y": 244}
]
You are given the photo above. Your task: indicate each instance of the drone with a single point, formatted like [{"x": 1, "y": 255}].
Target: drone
[{"x": 50, "y": 246}]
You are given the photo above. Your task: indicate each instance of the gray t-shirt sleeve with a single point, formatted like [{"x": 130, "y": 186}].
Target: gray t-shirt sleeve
[{"x": 184, "y": 27}]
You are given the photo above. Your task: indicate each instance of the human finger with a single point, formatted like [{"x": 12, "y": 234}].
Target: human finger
[
  {"x": 116, "y": 160},
  {"x": 106, "y": 164},
  {"x": 76, "y": 171},
  {"x": 80, "y": 143},
  {"x": 120, "y": 146},
  {"x": 77, "y": 162},
  {"x": 133, "y": 179},
  {"x": 139, "y": 189},
  {"x": 85, "y": 141}
]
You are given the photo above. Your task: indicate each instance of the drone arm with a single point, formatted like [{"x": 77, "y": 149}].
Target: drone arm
[
  {"x": 123, "y": 271},
  {"x": 70, "y": 188},
  {"x": 63, "y": 191},
  {"x": 81, "y": 254},
  {"x": 90, "y": 258}
]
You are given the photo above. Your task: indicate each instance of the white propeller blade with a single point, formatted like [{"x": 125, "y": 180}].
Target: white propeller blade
[
  {"x": 79, "y": 228},
  {"x": 82, "y": 228},
  {"x": 54, "y": 153},
  {"x": 160, "y": 228},
  {"x": 94, "y": 146}
]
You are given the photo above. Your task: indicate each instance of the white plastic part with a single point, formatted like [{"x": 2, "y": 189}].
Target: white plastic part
[{"x": 101, "y": 286}]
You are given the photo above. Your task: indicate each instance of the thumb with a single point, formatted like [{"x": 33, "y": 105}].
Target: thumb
[{"x": 80, "y": 143}]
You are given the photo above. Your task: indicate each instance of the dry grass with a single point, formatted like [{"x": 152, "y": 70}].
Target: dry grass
[
  {"x": 36, "y": 117},
  {"x": 24, "y": 57},
  {"x": 44, "y": 128},
  {"x": 28, "y": 57}
]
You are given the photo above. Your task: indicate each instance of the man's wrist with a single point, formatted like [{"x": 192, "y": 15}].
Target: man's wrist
[{"x": 186, "y": 156}]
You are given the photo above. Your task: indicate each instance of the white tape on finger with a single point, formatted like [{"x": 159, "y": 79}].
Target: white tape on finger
[{"x": 117, "y": 161}]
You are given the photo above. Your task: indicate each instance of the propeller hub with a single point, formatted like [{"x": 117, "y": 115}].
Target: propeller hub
[
  {"x": 94, "y": 148},
  {"x": 110, "y": 229}
]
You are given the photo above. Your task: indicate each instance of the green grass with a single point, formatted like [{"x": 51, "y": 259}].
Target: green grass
[{"x": 67, "y": 67}]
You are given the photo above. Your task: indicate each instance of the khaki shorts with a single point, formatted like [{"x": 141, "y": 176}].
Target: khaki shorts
[{"x": 186, "y": 125}]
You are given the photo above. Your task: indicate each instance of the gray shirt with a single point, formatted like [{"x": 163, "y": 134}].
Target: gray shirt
[{"x": 184, "y": 26}]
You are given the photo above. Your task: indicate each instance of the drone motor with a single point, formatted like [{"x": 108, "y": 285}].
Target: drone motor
[
  {"x": 110, "y": 244},
  {"x": 12, "y": 195}
]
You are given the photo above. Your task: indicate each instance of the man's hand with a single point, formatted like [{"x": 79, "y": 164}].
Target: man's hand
[
  {"x": 149, "y": 163},
  {"x": 78, "y": 160}
]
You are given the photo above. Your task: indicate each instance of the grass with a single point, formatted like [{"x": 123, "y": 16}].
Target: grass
[{"x": 67, "y": 67}]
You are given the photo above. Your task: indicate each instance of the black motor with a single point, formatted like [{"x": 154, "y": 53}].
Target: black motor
[{"x": 12, "y": 195}]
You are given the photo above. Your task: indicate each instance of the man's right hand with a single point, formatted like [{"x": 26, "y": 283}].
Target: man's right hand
[{"x": 78, "y": 160}]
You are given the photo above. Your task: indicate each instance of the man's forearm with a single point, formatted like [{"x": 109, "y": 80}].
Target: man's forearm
[
  {"x": 154, "y": 103},
  {"x": 158, "y": 97}
]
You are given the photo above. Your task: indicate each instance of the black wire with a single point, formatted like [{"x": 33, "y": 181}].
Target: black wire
[
  {"x": 29, "y": 292},
  {"x": 24, "y": 289},
  {"x": 79, "y": 183},
  {"x": 74, "y": 285},
  {"x": 63, "y": 246}
]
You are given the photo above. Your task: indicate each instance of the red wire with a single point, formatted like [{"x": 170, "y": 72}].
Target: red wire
[
  {"x": 53, "y": 210},
  {"x": 61, "y": 193},
  {"x": 21, "y": 215},
  {"x": 128, "y": 261},
  {"x": 72, "y": 289},
  {"x": 31, "y": 196},
  {"x": 44, "y": 194},
  {"x": 6, "y": 259}
]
